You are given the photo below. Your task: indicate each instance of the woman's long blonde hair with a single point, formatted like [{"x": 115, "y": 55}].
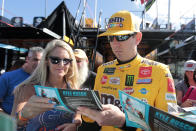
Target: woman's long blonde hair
[{"x": 40, "y": 75}]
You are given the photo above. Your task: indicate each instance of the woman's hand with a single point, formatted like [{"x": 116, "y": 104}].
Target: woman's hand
[
  {"x": 188, "y": 103},
  {"x": 77, "y": 121},
  {"x": 36, "y": 105}
]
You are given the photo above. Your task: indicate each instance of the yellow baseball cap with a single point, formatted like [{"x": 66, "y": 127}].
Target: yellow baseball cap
[
  {"x": 80, "y": 54},
  {"x": 122, "y": 23}
]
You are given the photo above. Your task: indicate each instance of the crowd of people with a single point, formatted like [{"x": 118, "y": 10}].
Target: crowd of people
[{"x": 59, "y": 66}]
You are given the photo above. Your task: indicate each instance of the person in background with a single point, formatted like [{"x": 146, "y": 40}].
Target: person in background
[
  {"x": 9, "y": 80},
  {"x": 86, "y": 81},
  {"x": 57, "y": 69},
  {"x": 142, "y": 78},
  {"x": 86, "y": 78},
  {"x": 183, "y": 85}
]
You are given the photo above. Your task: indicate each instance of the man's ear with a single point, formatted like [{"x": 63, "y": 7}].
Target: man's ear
[
  {"x": 27, "y": 58},
  {"x": 138, "y": 37}
]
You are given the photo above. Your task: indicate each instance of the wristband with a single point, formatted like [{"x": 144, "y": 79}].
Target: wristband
[{"x": 21, "y": 118}]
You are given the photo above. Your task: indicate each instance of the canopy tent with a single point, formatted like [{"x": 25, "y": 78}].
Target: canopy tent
[
  {"x": 13, "y": 48},
  {"x": 60, "y": 22},
  {"x": 51, "y": 28},
  {"x": 151, "y": 39}
]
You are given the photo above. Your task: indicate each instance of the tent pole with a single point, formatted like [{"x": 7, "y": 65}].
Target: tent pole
[
  {"x": 168, "y": 23},
  {"x": 64, "y": 25},
  {"x": 5, "y": 60},
  {"x": 2, "y": 9},
  {"x": 45, "y": 7},
  {"x": 96, "y": 42}
]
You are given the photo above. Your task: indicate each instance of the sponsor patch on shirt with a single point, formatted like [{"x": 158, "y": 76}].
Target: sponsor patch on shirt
[
  {"x": 143, "y": 91},
  {"x": 104, "y": 79},
  {"x": 109, "y": 71},
  {"x": 125, "y": 66},
  {"x": 145, "y": 72},
  {"x": 114, "y": 80},
  {"x": 170, "y": 85},
  {"x": 144, "y": 81},
  {"x": 170, "y": 97},
  {"x": 109, "y": 88},
  {"x": 128, "y": 90},
  {"x": 129, "y": 80},
  {"x": 110, "y": 99}
]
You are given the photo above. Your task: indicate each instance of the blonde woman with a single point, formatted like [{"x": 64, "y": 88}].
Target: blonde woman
[{"x": 57, "y": 69}]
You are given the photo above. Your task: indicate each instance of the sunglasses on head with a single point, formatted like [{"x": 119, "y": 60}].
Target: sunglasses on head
[
  {"x": 120, "y": 37},
  {"x": 57, "y": 60}
]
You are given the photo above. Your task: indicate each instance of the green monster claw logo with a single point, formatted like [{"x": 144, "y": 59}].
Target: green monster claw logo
[{"x": 129, "y": 80}]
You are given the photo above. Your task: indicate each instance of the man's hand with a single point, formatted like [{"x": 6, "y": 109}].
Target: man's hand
[{"x": 110, "y": 115}]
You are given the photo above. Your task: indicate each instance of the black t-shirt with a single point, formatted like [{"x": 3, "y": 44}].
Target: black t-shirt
[
  {"x": 90, "y": 81},
  {"x": 89, "y": 85}
]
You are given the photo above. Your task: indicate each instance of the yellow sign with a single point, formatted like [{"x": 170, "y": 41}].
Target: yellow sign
[
  {"x": 68, "y": 40},
  {"x": 89, "y": 23}
]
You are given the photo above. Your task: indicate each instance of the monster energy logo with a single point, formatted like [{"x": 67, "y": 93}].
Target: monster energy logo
[{"x": 129, "y": 80}]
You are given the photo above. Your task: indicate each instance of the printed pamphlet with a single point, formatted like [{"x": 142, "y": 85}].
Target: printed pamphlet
[
  {"x": 141, "y": 115},
  {"x": 69, "y": 100},
  {"x": 7, "y": 123}
]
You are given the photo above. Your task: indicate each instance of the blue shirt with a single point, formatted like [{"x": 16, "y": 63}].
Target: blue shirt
[
  {"x": 49, "y": 120},
  {"x": 8, "y": 81}
]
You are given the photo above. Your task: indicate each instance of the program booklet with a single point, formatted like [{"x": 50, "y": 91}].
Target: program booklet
[
  {"x": 69, "y": 100},
  {"x": 7, "y": 123},
  {"x": 141, "y": 115}
]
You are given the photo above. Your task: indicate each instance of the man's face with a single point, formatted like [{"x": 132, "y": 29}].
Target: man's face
[
  {"x": 121, "y": 49},
  {"x": 33, "y": 60},
  {"x": 82, "y": 70},
  {"x": 80, "y": 62}
]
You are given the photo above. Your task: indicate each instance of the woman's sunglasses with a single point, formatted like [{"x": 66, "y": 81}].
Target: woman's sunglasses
[
  {"x": 120, "y": 37},
  {"x": 57, "y": 60}
]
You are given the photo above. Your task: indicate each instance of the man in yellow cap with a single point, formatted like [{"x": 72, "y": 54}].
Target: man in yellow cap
[{"x": 145, "y": 79}]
